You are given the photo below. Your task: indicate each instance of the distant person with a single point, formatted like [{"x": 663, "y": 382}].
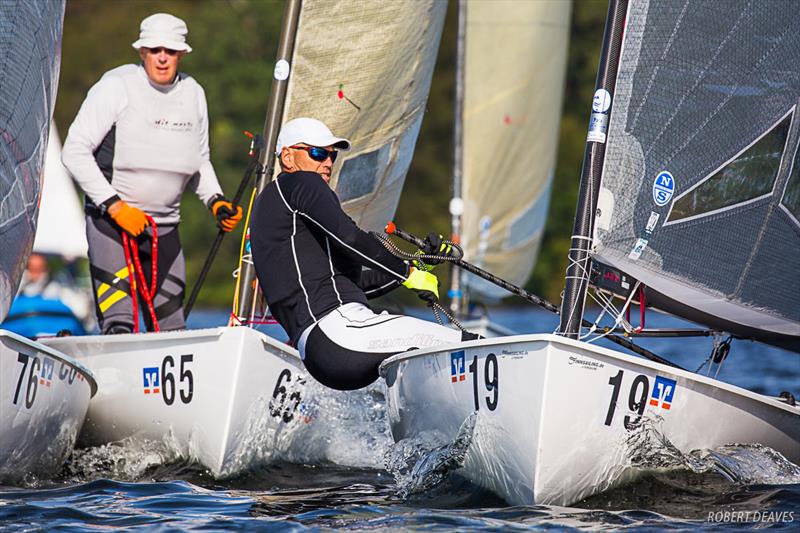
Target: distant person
[
  {"x": 139, "y": 139},
  {"x": 36, "y": 277},
  {"x": 37, "y": 280},
  {"x": 317, "y": 268}
]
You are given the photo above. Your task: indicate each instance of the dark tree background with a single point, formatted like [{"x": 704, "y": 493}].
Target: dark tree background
[{"x": 235, "y": 42}]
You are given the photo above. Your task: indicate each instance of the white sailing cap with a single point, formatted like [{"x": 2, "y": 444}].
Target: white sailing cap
[
  {"x": 163, "y": 29},
  {"x": 309, "y": 131}
]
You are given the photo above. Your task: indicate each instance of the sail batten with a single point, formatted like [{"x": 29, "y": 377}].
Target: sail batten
[{"x": 700, "y": 150}]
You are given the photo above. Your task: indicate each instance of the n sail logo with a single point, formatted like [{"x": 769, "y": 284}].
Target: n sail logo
[
  {"x": 458, "y": 366},
  {"x": 663, "y": 188},
  {"x": 663, "y": 391},
  {"x": 150, "y": 380}
]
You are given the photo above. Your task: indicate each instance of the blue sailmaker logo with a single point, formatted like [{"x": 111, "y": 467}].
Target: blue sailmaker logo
[{"x": 663, "y": 188}]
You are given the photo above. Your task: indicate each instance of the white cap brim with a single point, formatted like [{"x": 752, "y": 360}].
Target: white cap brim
[
  {"x": 321, "y": 141},
  {"x": 156, "y": 43}
]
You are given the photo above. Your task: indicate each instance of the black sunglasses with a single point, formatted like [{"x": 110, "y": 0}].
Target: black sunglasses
[
  {"x": 167, "y": 51},
  {"x": 318, "y": 154}
]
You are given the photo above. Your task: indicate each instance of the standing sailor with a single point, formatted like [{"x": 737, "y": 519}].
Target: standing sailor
[
  {"x": 317, "y": 268},
  {"x": 139, "y": 139}
]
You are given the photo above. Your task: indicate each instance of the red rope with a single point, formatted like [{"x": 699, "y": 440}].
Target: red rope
[
  {"x": 131, "y": 247},
  {"x": 642, "y": 307}
]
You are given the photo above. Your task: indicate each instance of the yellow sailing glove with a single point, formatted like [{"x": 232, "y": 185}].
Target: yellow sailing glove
[
  {"x": 128, "y": 218},
  {"x": 227, "y": 217},
  {"x": 425, "y": 284}
]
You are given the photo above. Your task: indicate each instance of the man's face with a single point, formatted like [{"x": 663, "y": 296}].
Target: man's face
[
  {"x": 161, "y": 64},
  {"x": 300, "y": 159},
  {"x": 37, "y": 267}
]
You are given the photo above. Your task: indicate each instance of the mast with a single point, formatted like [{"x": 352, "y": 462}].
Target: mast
[
  {"x": 457, "y": 203},
  {"x": 272, "y": 124},
  {"x": 580, "y": 263}
]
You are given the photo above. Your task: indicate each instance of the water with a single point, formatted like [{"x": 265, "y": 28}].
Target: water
[{"x": 365, "y": 481}]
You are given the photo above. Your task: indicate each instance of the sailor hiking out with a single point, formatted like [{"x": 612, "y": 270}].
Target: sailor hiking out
[
  {"x": 317, "y": 268},
  {"x": 139, "y": 139}
]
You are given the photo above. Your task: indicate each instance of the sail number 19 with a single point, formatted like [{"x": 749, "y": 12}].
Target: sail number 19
[
  {"x": 637, "y": 399},
  {"x": 490, "y": 381}
]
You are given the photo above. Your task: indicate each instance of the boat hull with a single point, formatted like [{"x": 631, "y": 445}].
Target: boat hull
[
  {"x": 44, "y": 396},
  {"x": 217, "y": 394},
  {"x": 559, "y": 420}
]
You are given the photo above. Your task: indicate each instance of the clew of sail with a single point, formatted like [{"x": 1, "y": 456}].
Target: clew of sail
[
  {"x": 700, "y": 196},
  {"x": 30, "y": 53},
  {"x": 511, "y": 114},
  {"x": 364, "y": 68}
]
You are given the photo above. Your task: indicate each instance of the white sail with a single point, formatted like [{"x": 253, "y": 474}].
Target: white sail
[
  {"x": 61, "y": 228},
  {"x": 364, "y": 68},
  {"x": 512, "y": 109}
]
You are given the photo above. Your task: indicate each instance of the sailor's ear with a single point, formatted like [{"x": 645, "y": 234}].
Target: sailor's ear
[{"x": 287, "y": 160}]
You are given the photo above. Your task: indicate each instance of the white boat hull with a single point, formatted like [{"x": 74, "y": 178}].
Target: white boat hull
[
  {"x": 44, "y": 396},
  {"x": 217, "y": 394},
  {"x": 558, "y": 420}
]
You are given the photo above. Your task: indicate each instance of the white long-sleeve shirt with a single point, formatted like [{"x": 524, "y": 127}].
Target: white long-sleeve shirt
[{"x": 160, "y": 144}]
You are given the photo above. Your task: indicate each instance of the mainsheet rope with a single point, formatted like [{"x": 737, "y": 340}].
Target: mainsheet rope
[
  {"x": 131, "y": 247},
  {"x": 435, "y": 306}
]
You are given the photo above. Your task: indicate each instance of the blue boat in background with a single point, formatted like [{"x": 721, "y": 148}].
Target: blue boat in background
[{"x": 37, "y": 316}]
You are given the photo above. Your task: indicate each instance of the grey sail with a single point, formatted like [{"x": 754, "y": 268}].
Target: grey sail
[
  {"x": 30, "y": 55},
  {"x": 700, "y": 195}
]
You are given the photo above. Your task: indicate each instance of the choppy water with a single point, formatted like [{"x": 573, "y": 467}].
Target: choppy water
[{"x": 356, "y": 478}]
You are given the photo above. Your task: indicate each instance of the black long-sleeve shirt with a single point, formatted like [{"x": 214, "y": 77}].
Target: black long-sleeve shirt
[{"x": 310, "y": 256}]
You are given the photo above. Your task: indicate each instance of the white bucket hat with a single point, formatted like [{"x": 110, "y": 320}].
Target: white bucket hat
[
  {"x": 309, "y": 131},
  {"x": 163, "y": 29}
]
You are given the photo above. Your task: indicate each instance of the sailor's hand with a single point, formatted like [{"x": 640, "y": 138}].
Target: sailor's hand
[
  {"x": 425, "y": 284},
  {"x": 434, "y": 244},
  {"x": 129, "y": 218},
  {"x": 227, "y": 217}
]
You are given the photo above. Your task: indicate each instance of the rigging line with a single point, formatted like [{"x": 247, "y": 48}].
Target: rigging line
[
  {"x": 644, "y": 352},
  {"x": 627, "y": 305},
  {"x": 607, "y": 305},
  {"x": 582, "y": 268},
  {"x": 243, "y": 250}
]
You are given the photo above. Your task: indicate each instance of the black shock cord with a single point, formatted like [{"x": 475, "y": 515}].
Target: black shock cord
[{"x": 420, "y": 258}]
